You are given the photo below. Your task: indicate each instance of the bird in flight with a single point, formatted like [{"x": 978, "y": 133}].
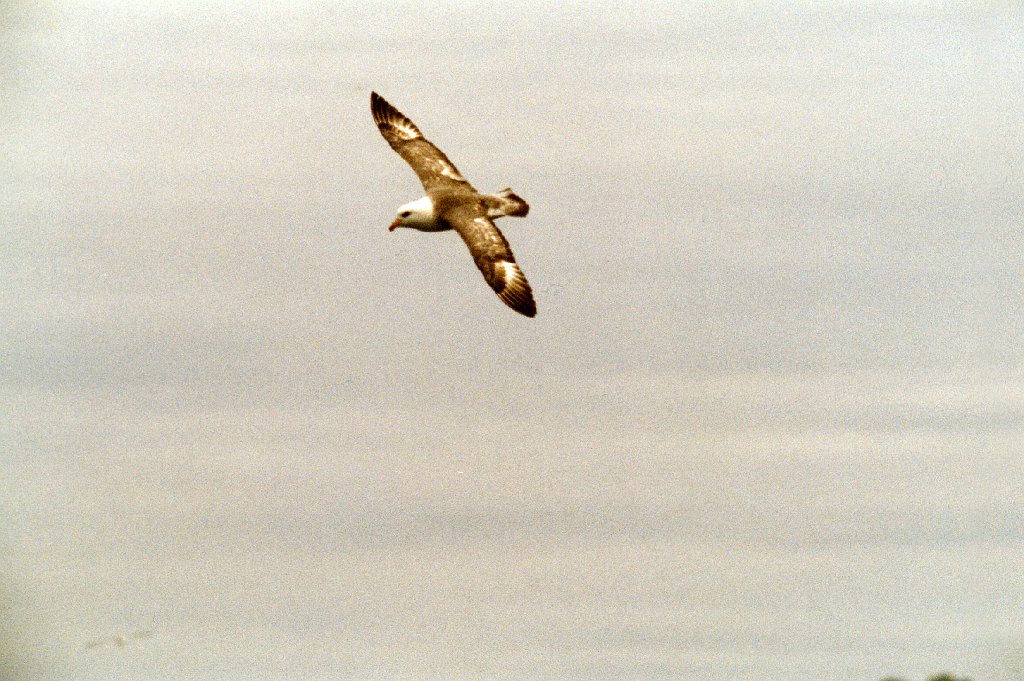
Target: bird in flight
[
  {"x": 452, "y": 203},
  {"x": 120, "y": 640}
]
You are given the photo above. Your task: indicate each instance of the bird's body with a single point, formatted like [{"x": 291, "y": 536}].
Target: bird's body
[{"x": 452, "y": 203}]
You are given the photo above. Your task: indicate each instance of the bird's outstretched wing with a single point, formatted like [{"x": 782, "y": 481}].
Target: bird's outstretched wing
[
  {"x": 434, "y": 169},
  {"x": 493, "y": 256}
]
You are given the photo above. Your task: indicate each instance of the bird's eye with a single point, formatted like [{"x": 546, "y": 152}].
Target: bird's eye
[{"x": 404, "y": 214}]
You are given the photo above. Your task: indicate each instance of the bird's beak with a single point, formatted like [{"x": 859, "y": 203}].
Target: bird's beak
[{"x": 394, "y": 225}]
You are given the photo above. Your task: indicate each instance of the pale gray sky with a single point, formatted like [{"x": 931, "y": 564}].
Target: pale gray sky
[{"x": 768, "y": 422}]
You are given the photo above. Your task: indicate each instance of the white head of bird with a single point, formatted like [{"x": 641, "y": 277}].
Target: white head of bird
[{"x": 418, "y": 214}]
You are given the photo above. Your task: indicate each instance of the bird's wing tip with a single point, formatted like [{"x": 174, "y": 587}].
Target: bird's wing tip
[{"x": 515, "y": 290}]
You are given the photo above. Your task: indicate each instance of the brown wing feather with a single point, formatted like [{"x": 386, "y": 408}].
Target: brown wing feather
[
  {"x": 493, "y": 256},
  {"x": 433, "y": 168}
]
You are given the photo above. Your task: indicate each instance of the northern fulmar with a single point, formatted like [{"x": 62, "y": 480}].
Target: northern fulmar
[{"x": 452, "y": 203}]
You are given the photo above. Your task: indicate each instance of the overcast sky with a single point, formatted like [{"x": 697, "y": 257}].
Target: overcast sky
[{"x": 768, "y": 422}]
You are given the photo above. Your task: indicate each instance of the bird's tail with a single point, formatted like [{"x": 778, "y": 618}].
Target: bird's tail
[{"x": 507, "y": 202}]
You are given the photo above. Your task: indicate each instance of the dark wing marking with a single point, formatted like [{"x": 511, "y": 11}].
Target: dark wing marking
[
  {"x": 492, "y": 255},
  {"x": 433, "y": 168}
]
